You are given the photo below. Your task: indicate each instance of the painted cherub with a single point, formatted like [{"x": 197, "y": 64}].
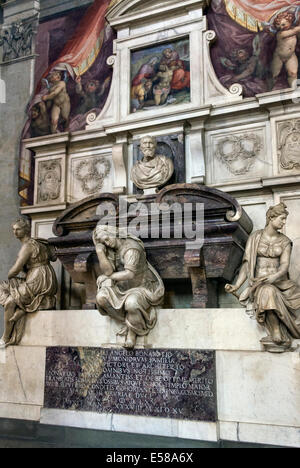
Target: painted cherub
[
  {"x": 285, "y": 53},
  {"x": 40, "y": 122},
  {"x": 90, "y": 94},
  {"x": 245, "y": 68},
  {"x": 61, "y": 105}
]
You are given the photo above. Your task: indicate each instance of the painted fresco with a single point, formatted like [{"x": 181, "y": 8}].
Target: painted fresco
[
  {"x": 258, "y": 43},
  {"x": 77, "y": 79},
  {"x": 160, "y": 76},
  {"x": 72, "y": 78}
]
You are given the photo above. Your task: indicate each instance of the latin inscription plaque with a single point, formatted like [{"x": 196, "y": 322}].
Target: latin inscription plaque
[{"x": 177, "y": 384}]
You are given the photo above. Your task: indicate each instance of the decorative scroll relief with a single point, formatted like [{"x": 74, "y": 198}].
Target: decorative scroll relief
[
  {"x": 91, "y": 174},
  {"x": 289, "y": 144},
  {"x": 239, "y": 152},
  {"x": 49, "y": 181},
  {"x": 16, "y": 39}
]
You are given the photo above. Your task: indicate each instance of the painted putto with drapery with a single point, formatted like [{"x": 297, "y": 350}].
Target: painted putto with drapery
[
  {"x": 258, "y": 43},
  {"x": 72, "y": 78},
  {"x": 257, "y": 46}
]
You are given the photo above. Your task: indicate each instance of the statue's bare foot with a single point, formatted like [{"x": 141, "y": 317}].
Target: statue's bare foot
[
  {"x": 17, "y": 315},
  {"x": 277, "y": 337},
  {"x": 3, "y": 343},
  {"x": 130, "y": 340}
]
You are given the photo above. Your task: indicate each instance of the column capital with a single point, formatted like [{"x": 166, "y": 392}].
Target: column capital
[{"x": 19, "y": 28}]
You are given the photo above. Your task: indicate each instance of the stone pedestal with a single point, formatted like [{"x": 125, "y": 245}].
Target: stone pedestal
[{"x": 251, "y": 385}]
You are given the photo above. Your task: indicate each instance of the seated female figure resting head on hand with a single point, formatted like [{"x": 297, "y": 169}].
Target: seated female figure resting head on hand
[{"x": 130, "y": 289}]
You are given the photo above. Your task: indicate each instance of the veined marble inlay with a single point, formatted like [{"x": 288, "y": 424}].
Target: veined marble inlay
[{"x": 177, "y": 384}]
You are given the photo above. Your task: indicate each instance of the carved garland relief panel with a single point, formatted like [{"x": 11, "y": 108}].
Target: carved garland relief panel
[
  {"x": 89, "y": 175},
  {"x": 234, "y": 156}
]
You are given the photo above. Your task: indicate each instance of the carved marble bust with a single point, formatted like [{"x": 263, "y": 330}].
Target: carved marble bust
[{"x": 154, "y": 170}]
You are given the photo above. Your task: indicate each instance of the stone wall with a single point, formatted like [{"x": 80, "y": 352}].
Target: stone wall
[
  {"x": 17, "y": 80},
  {"x": 256, "y": 393},
  {"x": 248, "y": 148}
]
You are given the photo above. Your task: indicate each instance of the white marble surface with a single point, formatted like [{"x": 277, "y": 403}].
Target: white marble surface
[
  {"x": 238, "y": 171},
  {"x": 21, "y": 412},
  {"x": 22, "y": 375},
  {"x": 228, "y": 329},
  {"x": 193, "y": 430},
  {"x": 67, "y": 328},
  {"x": 259, "y": 388},
  {"x": 282, "y": 436},
  {"x": 257, "y": 392}
]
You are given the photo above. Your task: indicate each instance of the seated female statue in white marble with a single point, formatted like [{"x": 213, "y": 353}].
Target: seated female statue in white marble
[
  {"x": 35, "y": 291},
  {"x": 153, "y": 170},
  {"x": 271, "y": 296},
  {"x": 130, "y": 289}
]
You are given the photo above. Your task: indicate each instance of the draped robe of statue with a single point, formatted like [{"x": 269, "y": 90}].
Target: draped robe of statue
[
  {"x": 282, "y": 297},
  {"x": 146, "y": 289},
  {"x": 152, "y": 173},
  {"x": 36, "y": 291}
]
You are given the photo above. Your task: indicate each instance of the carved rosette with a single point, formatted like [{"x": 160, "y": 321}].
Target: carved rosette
[
  {"x": 49, "y": 181},
  {"x": 239, "y": 152},
  {"x": 91, "y": 174},
  {"x": 16, "y": 39},
  {"x": 289, "y": 144}
]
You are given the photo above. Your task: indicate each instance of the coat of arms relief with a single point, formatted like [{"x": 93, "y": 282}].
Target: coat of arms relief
[{"x": 289, "y": 144}]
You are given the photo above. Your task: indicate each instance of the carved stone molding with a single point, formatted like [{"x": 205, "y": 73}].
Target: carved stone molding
[
  {"x": 16, "y": 39},
  {"x": 49, "y": 181},
  {"x": 239, "y": 152},
  {"x": 289, "y": 144},
  {"x": 91, "y": 174}
]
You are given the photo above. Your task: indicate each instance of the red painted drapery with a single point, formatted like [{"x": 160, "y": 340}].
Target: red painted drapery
[
  {"x": 82, "y": 50},
  {"x": 78, "y": 55},
  {"x": 253, "y": 13}
]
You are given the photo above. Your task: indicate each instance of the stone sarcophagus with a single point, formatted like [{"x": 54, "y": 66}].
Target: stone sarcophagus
[{"x": 193, "y": 235}]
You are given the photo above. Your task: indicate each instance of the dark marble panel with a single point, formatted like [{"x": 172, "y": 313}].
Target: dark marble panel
[{"x": 177, "y": 384}]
